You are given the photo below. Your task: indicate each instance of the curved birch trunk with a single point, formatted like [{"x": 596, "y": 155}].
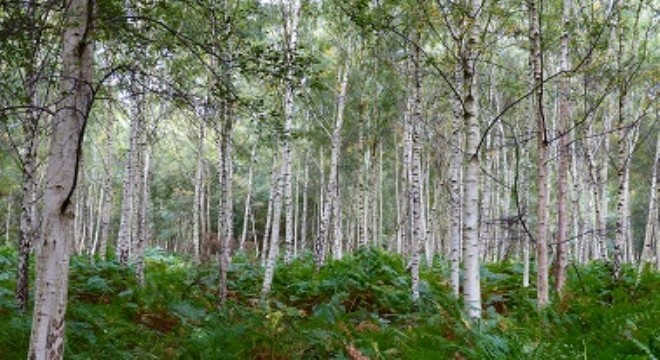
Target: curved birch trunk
[{"x": 54, "y": 247}]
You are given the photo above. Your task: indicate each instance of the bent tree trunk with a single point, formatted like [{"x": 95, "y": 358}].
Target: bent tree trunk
[{"x": 53, "y": 249}]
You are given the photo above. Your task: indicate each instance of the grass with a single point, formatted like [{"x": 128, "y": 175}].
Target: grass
[{"x": 359, "y": 305}]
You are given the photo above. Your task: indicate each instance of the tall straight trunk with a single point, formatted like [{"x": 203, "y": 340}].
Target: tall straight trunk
[
  {"x": 397, "y": 202},
  {"x": 563, "y": 216},
  {"x": 29, "y": 219},
  {"x": 199, "y": 188},
  {"x": 106, "y": 209},
  {"x": 225, "y": 152},
  {"x": 337, "y": 237},
  {"x": 622, "y": 150},
  {"x": 471, "y": 246},
  {"x": 652, "y": 232},
  {"x": 54, "y": 246},
  {"x": 305, "y": 192},
  {"x": 269, "y": 213},
  {"x": 248, "y": 198},
  {"x": 362, "y": 235},
  {"x": 226, "y": 230},
  {"x": 291, "y": 19},
  {"x": 541, "y": 156},
  {"x": 29, "y": 227},
  {"x": 142, "y": 234},
  {"x": 141, "y": 202},
  {"x": 124, "y": 238},
  {"x": 415, "y": 183},
  {"x": 8, "y": 219},
  {"x": 331, "y": 189},
  {"x": 274, "y": 247}
]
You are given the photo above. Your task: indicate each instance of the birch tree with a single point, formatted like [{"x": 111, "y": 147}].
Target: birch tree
[
  {"x": 471, "y": 246},
  {"x": 54, "y": 246},
  {"x": 291, "y": 12},
  {"x": 331, "y": 200},
  {"x": 538, "y": 115},
  {"x": 562, "y": 172}
]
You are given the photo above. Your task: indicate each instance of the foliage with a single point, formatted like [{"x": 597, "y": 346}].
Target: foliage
[{"x": 359, "y": 304}]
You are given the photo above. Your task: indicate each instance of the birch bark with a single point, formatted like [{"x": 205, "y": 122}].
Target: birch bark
[
  {"x": 471, "y": 246},
  {"x": 331, "y": 189},
  {"x": 541, "y": 156},
  {"x": 564, "y": 155},
  {"x": 54, "y": 247}
]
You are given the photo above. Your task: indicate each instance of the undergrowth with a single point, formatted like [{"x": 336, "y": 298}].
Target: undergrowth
[{"x": 359, "y": 305}]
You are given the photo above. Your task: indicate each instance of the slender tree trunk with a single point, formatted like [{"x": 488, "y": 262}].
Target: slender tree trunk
[
  {"x": 292, "y": 16},
  {"x": 29, "y": 227},
  {"x": 269, "y": 212},
  {"x": 303, "y": 222},
  {"x": 142, "y": 203},
  {"x": 53, "y": 249},
  {"x": 564, "y": 158},
  {"x": 652, "y": 225},
  {"x": 541, "y": 157},
  {"x": 331, "y": 190},
  {"x": 275, "y": 234},
  {"x": 106, "y": 210},
  {"x": 124, "y": 238},
  {"x": 471, "y": 280},
  {"x": 29, "y": 217},
  {"x": 225, "y": 150},
  {"x": 415, "y": 183},
  {"x": 248, "y": 198},
  {"x": 622, "y": 157},
  {"x": 199, "y": 188}
]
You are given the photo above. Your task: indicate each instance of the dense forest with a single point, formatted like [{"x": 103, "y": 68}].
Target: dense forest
[{"x": 349, "y": 179}]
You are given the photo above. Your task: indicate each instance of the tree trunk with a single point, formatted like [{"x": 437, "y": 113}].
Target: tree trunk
[
  {"x": 471, "y": 281},
  {"x": 106, "y": 209},
  {"x": 225, "y": 150},
  {"x": 199, "y": 188},
  {"x": 564, "y": 158},
  {"x": 53, "y": 249},
  {"x": 29, "y": 227},
  {"x": 248, "y": 199},
  {"x": 415, "y": 183},
  {"x": 652, "y": 232},
  {"x": 142, "y": 197},
  {"x": 269, "y": 213},
  {"x": 275, "y": 233},
  {"x": 541, "y": 156},
  {"x": 125, "y": 236},
  {"x": 292, "y": 16},
  {"x": 303, "y": 222},
  {"x": 331, "y": 190},
  {"x": 29, "y": 219}
]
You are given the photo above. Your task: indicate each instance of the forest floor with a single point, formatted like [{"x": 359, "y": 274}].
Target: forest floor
[{"x": 356, "y": 308}]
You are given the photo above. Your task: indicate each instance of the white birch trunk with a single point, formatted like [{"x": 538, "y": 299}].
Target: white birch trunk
[
  {"x": 274, "y": 247},
  {"x": 541, "y": 157},
  {"x": 292, "y": 16},
  {"x": 197, "y": 200},
  {"x": 53, "y": 249},
  {"x": 471, "y": 246},
  {"x": 564, "y": 158},
  {"x": 652, "y": 225},
  {"x": 248, "y": 198},
  {"x": 331, "y": 191},
  {"x": 124, "y": 238}
]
